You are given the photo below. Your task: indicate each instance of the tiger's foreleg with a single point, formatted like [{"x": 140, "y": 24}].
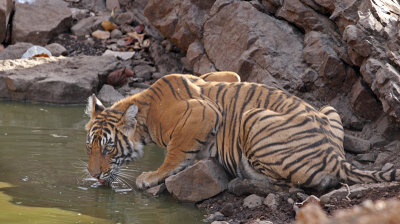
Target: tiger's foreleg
[{"x": 191, "y": 139}]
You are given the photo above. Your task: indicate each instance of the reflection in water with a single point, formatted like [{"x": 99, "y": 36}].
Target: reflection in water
[{"x": 42, "y": 153}]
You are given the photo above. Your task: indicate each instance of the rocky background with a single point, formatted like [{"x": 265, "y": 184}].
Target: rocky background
[{"x": 345, "y": 53}]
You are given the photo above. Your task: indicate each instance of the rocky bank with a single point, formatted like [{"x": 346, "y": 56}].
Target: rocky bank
[{"x": 345, "y": 53}]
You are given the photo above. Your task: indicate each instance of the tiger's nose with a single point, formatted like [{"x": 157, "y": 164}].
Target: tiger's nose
[{"x": 96, "y": 175}]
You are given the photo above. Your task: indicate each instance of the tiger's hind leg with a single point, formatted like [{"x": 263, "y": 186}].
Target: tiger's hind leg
[
  {"x": 293, "y": 151},
  {"x": 335, "y": 124}
]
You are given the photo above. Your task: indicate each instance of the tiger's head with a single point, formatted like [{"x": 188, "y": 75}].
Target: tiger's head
[{"x": 110, "y": 139}]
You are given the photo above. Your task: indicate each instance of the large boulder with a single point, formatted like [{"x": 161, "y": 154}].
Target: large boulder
[
  {"x": 203, "y": 180},
  {"x": 57, "y": 80},
  {"x": 5, "y": 12},
  {"x": 15, "y": 51},
  {"x": 40, "y": 21}
]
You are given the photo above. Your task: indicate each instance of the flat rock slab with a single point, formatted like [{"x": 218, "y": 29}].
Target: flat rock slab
[
  {"x": 57, "y": 80},
  {"x": 203, "y": 180}
]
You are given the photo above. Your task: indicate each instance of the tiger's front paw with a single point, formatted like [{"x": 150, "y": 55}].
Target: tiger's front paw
[{"x": 147, "y": 180}]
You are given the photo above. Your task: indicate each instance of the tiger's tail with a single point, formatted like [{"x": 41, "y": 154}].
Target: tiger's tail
[{"x": 351, "y": 174}]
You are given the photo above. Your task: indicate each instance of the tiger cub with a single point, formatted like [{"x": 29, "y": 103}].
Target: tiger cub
[{"x": 253, "y": 130}]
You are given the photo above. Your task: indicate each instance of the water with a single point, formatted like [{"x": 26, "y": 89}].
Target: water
[{"x": 42, "y": 177}]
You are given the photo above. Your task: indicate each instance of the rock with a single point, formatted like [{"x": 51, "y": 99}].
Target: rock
[
  {"x": 220, "y": 222},
  {"x": 83, "y": 27},
  {"x": 258, "y": 221},
  {"x": 112, "y": 4},
  {"x": 367, "y": 213},
  {"x": 357, "y": 189},
  {"x": 387, "y": 166},
  {"x": 124, "y": 18},
  {"x": 203, "y": 180},
  {"x": 31, "y": 25},
  {"x": 57, "y": 80},
  {"x": 108, "y": 25},
  {"x": 78, "y": 14},
  {"x": 109, "y": 95},
  {"x": 56, "y": 49},
  {"x": 15, "y": 51},
  {"x": 100, "y": 34},
  {"x": 198, "y": 60},
  {"x": 356, "y": 145},
  {"x": 364, "y": 102},
  {"x": 271, "y": 201},
  {"x": 119, "y": 77},
  {"x": 240, "y": 187},
  {"x": 119, "y": 54},
  {"x": 216, "y": 216},
  {"x": 157, "y": 190},
  {"x": 115, "y": 34},
  {"x": 227, "y": 209},
  {"x": 366, "y": 157},
  {"x": 252, "y": 201},
  {"x": 180, "y": 21},
  {"x": 144, "y": 71},
  {"x": 266, "y": 43},
  {"x": 5, "y": 12}
]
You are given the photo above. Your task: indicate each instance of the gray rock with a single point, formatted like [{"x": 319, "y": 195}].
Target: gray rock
[
  {"x": 387, "y": 166},
  {"x": 57, "y": 80},
  {"x": 144, "y": 71},
  {"x": 216, "y": 216},
  {"x": 116, "y": 33},
  {"x": 271, "y": 201},
  {"x": 5, "y": 12},
  {"x": 227, "y": 209},
  {"x": 39, "y": 22},
  {"x": 112, "y": 4},
  {"x": 119, "y": 54},
  {"x": 356, "y": 145},
  {"x": 220, "y": 222},
  {"x": 15, "y": 51},
  {"x": 109, "y": 95},
  {"x": 203, "y": 180},
  {"x": 56, "y": 49},
  {"x": 157, "y": 190},
  {"x": 83, "y": 27},
  {"x": 252, "y": 201},
  {"x": 366, "y": 157}
]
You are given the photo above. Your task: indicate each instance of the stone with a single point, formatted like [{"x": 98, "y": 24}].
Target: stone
[
  {"x": 115, "y": 34},
  {"x": 119, "y": 77},
  {"x": 387, "y": 166},
  {"x": 31, "y": 25},
  {"x": 144, "y": 71},
  {"x": 364, "y": 101},
  {"x": 100, "y": 34},
  {"x": 84, "y": 26},
  {"x": 304, "y": 17},
  {"x": 252, "y": 201},
  {"x": 215, "y": 216},
  {"x": 78, "y": 14},
  {"x": 271, "y": 201},
  {"x": 57, "y": 80},
  {"x": 220, "y": 222},
  {"x": 166, "y": 62},
  {"x": 124, "y": 18},
  {"x": 112, "y": 5},
  {"x": 227, "y": 209},
  {"x": 203, "y": 180},
  {"x": 180, "y": 21},
  {"x": 266, "y": 43},
  {"x": 356, "y": 145},
  {"x": 119, "y": 54},
  {"x": 15, "y": 51},
  {"x": 5, "y": 12},
  {"x": 157, "y": 190},
  {"x": 56, "y": 49},
  {"x": 366, "y": 157},
  {"x": 108, "y": 25},
  {"x": 240, "y": 187},
  {"x": 108, "y": 95},
  {"x": 356, "y": 189}
]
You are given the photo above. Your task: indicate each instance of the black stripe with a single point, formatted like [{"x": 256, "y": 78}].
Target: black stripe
[
  {"x": 191, "y": 152},
  {"x": 186, "y": 86},
  {"x": 155, "y": 93},
  {"x": 169, "y": 85}
]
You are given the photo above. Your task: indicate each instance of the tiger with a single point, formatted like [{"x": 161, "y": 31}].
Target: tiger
[{"x": 253, "y": 130}]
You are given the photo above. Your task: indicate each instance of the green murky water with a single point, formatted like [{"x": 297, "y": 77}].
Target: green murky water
[{"x": 42, "y": 178}]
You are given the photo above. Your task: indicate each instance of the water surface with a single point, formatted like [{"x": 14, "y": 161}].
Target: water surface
[{"x": 41, "y": 153}]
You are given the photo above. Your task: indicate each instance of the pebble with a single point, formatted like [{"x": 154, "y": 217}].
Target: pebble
[
  {"x": 387, "y": 166},
  {"x": 102, "y": 35},
  {"x": 214, "y": 217},
  {"x": 115, "y": 34},
  {"x": 252, "y": 201},
  {"x": 271, "y": 201},
  {"x": 227, "y": 210}
]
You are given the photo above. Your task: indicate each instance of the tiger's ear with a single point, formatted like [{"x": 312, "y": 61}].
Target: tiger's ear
[
  {"x": 94, "y": 107},
  {"x": 128, "y": 122}
]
